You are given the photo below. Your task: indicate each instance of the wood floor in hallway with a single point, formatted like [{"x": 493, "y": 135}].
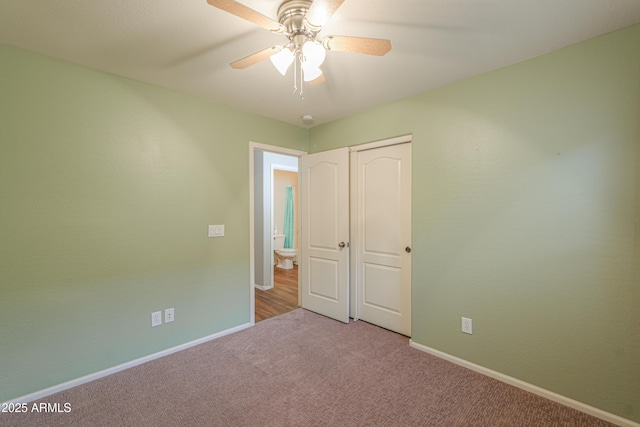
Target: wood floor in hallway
[{"x": 282, "y": 298}]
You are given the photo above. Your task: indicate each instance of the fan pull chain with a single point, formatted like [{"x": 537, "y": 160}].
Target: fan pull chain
[
  {"x": 302, "y": 59},
  {"x": 301, "y": 86},
  {"x": 295, "y": 74}
]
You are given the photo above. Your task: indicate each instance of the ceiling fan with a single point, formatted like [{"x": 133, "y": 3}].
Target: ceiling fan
[{"x": 300, "y": 21}]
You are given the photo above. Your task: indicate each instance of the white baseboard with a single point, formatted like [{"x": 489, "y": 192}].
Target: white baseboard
[
  {"x": 263, "y": 288},
  {"x": 563, "y": 400},
  {"x": 92, "y": 377}
]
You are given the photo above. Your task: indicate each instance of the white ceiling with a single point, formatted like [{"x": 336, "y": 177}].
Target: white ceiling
[{"x": 186, "y": 45}]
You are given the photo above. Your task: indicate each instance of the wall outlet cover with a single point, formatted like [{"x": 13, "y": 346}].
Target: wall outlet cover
[
  {"x": 168, "y": 315},
  {"x": 156, "y": 318},
  {"x": 467, "y": 325}
]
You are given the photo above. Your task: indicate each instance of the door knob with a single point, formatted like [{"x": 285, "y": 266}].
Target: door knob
[
  {"x": 341, "y": 245},
  {"x": 407, "y": 249}
]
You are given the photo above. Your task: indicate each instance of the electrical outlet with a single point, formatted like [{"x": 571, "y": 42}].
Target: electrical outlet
[
  {"x": 168, "y": 315},
  {"x": 156, "y": 318},
  {"x": 467, "y": 326}
]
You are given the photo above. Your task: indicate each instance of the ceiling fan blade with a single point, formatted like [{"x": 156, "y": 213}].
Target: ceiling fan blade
[
  {"x": 244, "y": 12},
  {"x": 321, "y": 11},
  {"x": 317, "y": 81},
  {"x": 367, "y": 46},
  {"x": 254, "y": 58}
]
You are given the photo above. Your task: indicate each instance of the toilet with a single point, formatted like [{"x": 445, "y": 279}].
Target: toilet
[{"x": 284, "y": 257}]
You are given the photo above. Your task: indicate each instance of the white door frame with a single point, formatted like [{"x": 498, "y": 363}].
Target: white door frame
[
  {"x": 353, "y": 214},
  {"x": 253, "y": 147}
]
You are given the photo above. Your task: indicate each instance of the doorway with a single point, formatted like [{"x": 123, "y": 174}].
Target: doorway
[
  {"x": 273, "y": 177},
  {"x": 359, "y": 252},
  {"x": 282, "y": 295}
]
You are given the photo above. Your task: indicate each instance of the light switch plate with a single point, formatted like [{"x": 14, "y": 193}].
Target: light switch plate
[{"x": 216, "y": 231}]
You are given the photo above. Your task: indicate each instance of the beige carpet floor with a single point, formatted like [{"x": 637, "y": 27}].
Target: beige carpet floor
[{"x": 302, "y": 369}]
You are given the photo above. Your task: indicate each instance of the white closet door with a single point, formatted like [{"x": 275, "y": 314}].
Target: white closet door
[
  {"x": 324, "y": 228},
  {"x": 384, "y": 237}
]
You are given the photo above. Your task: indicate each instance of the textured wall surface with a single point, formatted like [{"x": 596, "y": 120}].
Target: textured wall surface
[
  {"x": 106, "y": 190},
  {"x": 526, "y": 217}
]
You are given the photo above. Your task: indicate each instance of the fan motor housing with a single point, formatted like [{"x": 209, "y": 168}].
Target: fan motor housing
[{"x": 291, "y": 14}]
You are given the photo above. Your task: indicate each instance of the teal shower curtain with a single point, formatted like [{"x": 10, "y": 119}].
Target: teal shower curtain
[{"x": 289, "y": 219}]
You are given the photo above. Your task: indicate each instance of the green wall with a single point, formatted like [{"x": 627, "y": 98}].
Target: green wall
[
  {"x": 107, "y": 186},
  {"x": 526, "y": 217}
]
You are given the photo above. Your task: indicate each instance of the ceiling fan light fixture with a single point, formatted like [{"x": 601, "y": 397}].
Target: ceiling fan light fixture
[
  {"x": 314, "y": 53},
  {"x": 301, "y": 21},
  {"x": 282, "y": 60},
  {"x": 310, "y": 72}
]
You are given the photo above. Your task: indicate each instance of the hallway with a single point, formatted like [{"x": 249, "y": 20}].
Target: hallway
[{"x": 282, "y": 298}]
